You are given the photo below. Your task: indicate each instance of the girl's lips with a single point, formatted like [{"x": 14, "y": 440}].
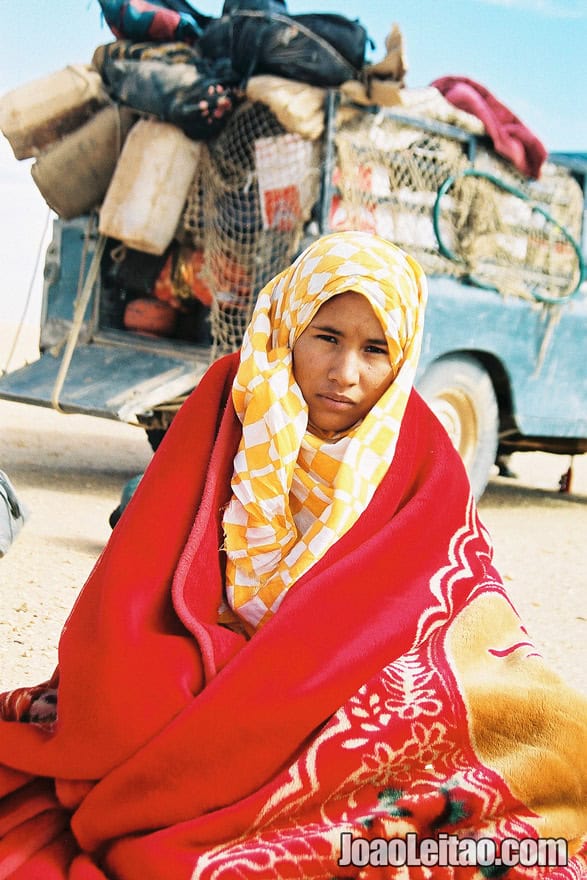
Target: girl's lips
[{"x": 336, "y": 403}]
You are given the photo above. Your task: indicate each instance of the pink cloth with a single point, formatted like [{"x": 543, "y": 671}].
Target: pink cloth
[{"x": 511, "y": 138}]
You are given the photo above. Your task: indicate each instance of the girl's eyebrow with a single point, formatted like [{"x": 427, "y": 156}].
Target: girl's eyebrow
[
  {"x": 325, "y": 329},
  {"x": 322, "y": 328}
]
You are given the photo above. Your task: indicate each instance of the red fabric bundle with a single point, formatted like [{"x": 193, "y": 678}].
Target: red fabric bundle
[
  {"x": 511, "y": 138},
  {"x": 183, "y": 750}
]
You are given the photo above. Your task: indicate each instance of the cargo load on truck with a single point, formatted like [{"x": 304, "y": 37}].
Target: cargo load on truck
[{"x": 211, "y": 154}]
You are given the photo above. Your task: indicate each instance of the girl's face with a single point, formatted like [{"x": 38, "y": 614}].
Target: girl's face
[{"x": 341, "y": 363}]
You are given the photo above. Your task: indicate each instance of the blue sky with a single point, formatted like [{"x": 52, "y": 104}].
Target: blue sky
[{"x": 529, "y": 53}]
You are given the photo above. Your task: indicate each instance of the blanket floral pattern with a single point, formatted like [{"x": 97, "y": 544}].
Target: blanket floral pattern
[{"x": 408, "y": 768}]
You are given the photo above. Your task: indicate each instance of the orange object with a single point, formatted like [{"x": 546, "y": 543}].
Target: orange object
[
  {"x": 189, "y": 270},
  {"x": 232, "y": 281},
  {"x": 150, "y": 316},
  {"x": 164, "y": 289},
  {"x": 183, "y": 280}
]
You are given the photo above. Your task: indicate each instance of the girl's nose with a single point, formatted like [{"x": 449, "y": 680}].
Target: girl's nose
[{"x": 345, "y": 368}]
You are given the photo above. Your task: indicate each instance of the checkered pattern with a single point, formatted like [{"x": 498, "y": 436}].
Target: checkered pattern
[{"x": 294, "y": 494}]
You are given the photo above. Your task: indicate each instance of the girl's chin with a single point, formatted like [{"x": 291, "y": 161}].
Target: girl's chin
[{"x": 329, "y": 429}]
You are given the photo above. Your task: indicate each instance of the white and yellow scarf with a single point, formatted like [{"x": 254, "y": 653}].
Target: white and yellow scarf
[{"x": 294, "y": 494}]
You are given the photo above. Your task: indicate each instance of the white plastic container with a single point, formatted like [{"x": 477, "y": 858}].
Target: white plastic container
[
  {"x": 146, "y": 196},
  {"x": 40, "y": 112},
  {"x": 73, "y": 174}
]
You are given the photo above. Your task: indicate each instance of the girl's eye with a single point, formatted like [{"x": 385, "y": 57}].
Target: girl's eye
[
  {"x": 376, "y": 349},
  {"x": 327, "y": 337}
]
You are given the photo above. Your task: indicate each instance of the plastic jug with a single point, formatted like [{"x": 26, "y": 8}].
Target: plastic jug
[
  {"x": 148, "y": 190},
  {"x": 43, "y": 110},
  {"x": 74, "y": 174}
]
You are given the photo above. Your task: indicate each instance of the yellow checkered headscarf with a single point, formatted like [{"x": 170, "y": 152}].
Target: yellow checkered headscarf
[{"x": 294, "y": 494}]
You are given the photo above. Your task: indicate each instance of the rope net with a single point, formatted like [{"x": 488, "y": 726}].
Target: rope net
[
  {"x": 476, "y": 219},
  {"x": 257, "y": 186},
  {"x": 253, "y": 193}
]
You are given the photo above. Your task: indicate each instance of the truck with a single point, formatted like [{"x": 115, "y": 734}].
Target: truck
[{"x": 502, "y": 357}]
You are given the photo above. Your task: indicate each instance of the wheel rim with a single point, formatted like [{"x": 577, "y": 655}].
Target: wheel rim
[{"x": 455, "y": 410}]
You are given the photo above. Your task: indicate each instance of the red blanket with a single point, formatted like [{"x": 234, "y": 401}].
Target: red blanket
[
  {"x": 511, "y": 138},
  {"x": 394, "y": 693}
]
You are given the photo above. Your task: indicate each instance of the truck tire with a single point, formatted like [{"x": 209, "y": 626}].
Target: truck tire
[{"x": 460, "y": 392}]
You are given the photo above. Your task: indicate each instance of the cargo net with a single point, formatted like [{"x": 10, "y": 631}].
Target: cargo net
[
  {"x": 254, "y": 192},
  {"x": 483, "y": 221}
]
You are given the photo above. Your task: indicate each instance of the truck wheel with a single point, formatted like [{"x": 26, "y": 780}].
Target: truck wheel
[{"x": 460, "y": 393}]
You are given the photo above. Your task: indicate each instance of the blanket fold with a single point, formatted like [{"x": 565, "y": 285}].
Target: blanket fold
[
  {"x": 511, "y": 138},
  {"x": 395, "y": 690}
]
